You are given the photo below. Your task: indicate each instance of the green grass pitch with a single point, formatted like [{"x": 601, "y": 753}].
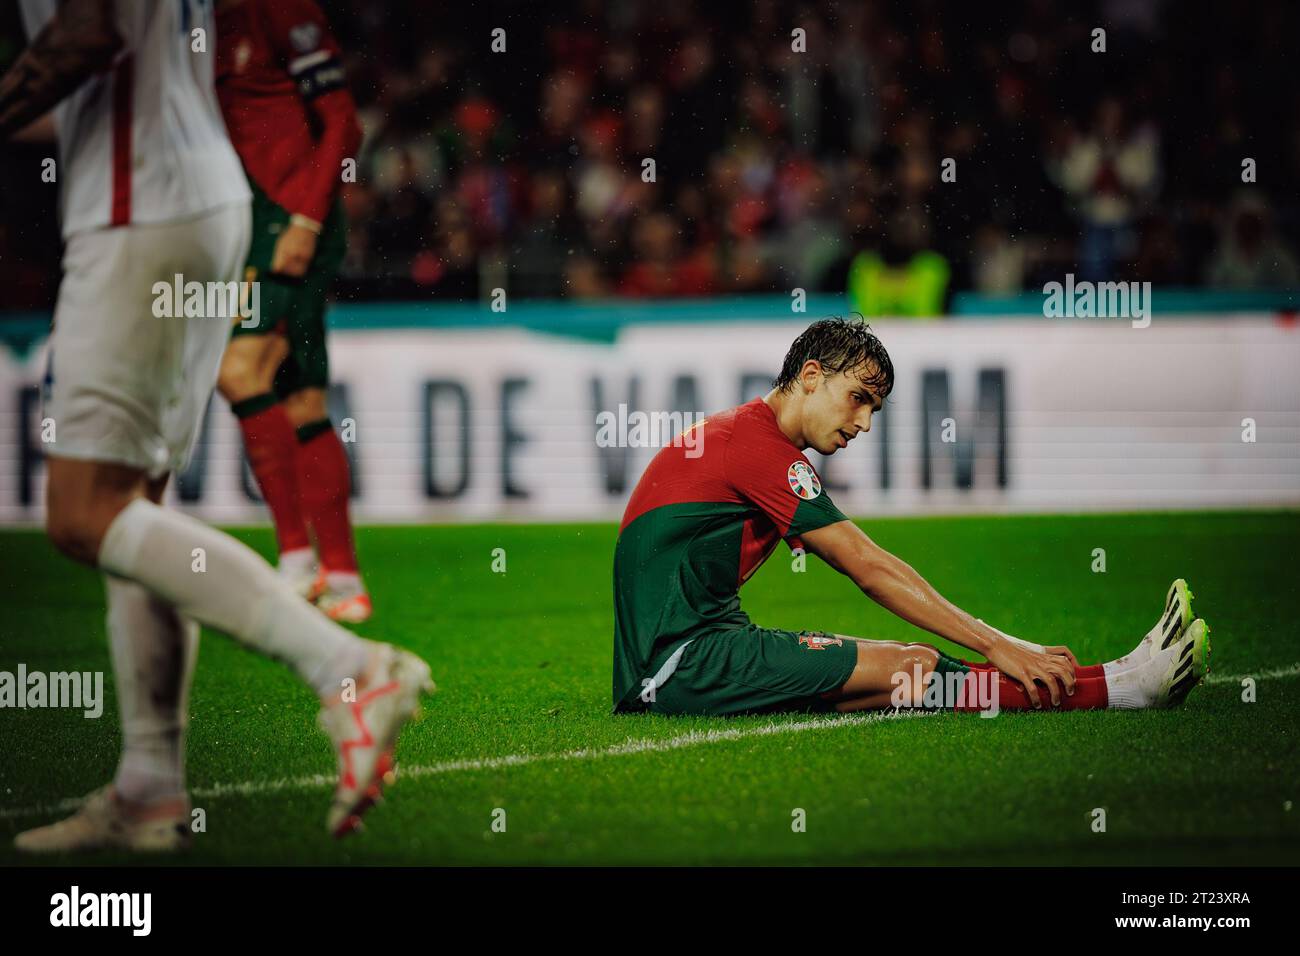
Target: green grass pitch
[{"x": 521, "y": 721}]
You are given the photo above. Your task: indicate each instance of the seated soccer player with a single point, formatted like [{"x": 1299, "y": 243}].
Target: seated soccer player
[{"x": 708, "y": 512}]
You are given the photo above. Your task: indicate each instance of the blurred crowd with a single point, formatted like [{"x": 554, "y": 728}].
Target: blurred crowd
[{"x": 677, "y": 148}]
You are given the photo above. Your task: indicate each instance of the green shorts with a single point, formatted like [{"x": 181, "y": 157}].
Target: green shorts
[
  {"x": 296, "y": 306},
  {"x": 756, "y": 670}
]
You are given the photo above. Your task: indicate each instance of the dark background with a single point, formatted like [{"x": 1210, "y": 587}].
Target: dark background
[{"x": 522, "y": 169}]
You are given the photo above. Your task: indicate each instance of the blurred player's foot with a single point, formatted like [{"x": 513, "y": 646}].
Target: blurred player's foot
[
  {"x": 1170, "y": 628},
  {"x": 105, "y": 822},
  {"x": 354, "y": 609},
  {"x": 343, "y": 597},
  {"x": 1168, "y": 677},
  {"x": 298, "y": 567},
  {"x": 365, "y": 729}
]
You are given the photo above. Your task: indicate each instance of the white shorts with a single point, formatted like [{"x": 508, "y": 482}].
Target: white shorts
[{"x": 123, "y": 385}]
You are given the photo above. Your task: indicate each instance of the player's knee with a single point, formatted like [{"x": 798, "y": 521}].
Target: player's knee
[
  {"x": 239, "y": 377},
  {"x": 916, "y": 663},
  {"x": 248, "y": 366},
  {"x": 306, "y": 406},
  {"x": 78, "y": 514},
  {"x": 925, "y": 655},
  {"x": 73, "y": 529}
]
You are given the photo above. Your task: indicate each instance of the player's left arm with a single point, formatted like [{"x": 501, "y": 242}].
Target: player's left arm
[
  {"x": 892, "y": 583},
  {"x": 80, "y": 40},
  {"x": 313, "y": 59}
]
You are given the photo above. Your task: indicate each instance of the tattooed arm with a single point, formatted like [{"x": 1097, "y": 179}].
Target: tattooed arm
[{"x": 79, "y": 41}]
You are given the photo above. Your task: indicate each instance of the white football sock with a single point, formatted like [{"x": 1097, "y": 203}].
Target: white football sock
[
  {"x": 153, "y": 651},
  {"x": 344, "y": 583},
  {"x": 1134, "y": 658},
  {"x": 212, "y": 578},
  {"x": 1136, "y": 687},
  {"x": 299, "y": 561},
  {"x": 1124, "y": 690}
]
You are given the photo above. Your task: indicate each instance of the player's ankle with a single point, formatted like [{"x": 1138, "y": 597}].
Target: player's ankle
[
  {"x": 145, "y": 800},
  {"x": 350, "y": 672},
  {"x": 344, "y": 583},
  {"x": 296, "y": 561}
]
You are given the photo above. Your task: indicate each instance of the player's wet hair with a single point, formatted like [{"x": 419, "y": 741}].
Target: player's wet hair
[{"x": 840, "y": 345}]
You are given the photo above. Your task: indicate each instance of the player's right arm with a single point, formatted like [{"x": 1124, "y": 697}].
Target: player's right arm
[
  {"x": 316, "y": 67},
  {"x": 79, "y": 41},
  {"x": 896, "y": 586}
]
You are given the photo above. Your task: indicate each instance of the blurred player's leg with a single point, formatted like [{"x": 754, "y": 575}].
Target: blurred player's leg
[
  {"x": 146, "y": 807},
  {"x": 324, "y": 479},
  {"x": 326, "y": 483},
  {"x": 246, "y": 381},
  {"x": 154, "y": 651},
  {"x": 128, "y": 396},
  {"x": 214, "y": 579}
]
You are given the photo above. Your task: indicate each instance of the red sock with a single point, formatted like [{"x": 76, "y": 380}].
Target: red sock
[
  {"x": 1089, "y": 694},
  {"x": 324, "y": 483},
  {"x": 1081, "y": 672},
  {"x": 272, "y": 451}
]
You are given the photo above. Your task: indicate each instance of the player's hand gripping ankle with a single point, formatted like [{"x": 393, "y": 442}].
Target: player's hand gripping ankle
[{"x": 1054, "y": 671}]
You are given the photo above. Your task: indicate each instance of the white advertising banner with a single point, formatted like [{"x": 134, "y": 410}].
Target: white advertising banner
[{"x": 1011, "y": 415}]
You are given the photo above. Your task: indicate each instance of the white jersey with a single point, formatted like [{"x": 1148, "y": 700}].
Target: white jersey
[{"x": 145, "y": 141}]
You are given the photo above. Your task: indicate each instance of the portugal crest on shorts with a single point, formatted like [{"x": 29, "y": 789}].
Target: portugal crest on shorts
[
  {"x": 804, "y": 481},
  {"x": 818, "y": 642}
]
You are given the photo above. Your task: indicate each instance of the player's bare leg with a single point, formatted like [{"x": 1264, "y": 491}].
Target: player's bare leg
[
  {"x": 874, "y": 682},
  {"x": 325, "y": 483},
  {"x": 246, "y": 380},
  {"x": 248, "y": 365}
]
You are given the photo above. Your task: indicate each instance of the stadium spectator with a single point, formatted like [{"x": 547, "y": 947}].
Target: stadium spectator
[
  {"x": 1250, "y": 256},
  {"x": 779, "y": 163},
  {"x": 1110, "y": 172}
]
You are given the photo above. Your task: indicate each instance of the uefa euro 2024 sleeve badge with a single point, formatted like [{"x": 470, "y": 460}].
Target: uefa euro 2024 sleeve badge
[{"x": 804, "y": 481}]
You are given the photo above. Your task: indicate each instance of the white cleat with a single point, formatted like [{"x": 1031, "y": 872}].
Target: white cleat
[
  {"x": 346, "y": 608},
  {"x": 1173, "y": 624},
  {"x": 1169, "y": 676},
  {"x": 364, "y": 731},
  {"x": 104, "y": 822},
  {"x": 1188, "y": 668}
]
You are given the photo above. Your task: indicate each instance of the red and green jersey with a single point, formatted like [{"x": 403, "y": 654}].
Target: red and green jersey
[
  {"x": 699, "y": 523},
  {"x": 280, "y": 82}
]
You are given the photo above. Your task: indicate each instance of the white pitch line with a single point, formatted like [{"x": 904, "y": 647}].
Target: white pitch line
[
  {"x": 1275, "y": 674},
  {"x": 627, "y": 748}
]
